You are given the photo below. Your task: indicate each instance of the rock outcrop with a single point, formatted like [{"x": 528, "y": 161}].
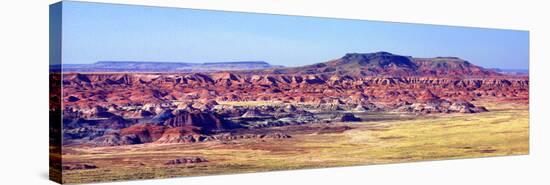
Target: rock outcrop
[
  {"x": 78, "y": 166},
  {"x": 186, "y": 160},
  {"x": 349, "y": 117}
]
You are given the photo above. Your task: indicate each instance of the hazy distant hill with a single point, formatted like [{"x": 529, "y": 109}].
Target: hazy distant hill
[
  {"x": 524, "y": 72},
  {"x": 148, "y": 66}
]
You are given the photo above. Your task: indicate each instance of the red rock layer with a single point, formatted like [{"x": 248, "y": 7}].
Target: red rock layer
[{"x": 90, "y": 90}]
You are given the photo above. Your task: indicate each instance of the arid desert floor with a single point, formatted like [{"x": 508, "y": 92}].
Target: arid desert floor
[{"x": 503, "y": 130}]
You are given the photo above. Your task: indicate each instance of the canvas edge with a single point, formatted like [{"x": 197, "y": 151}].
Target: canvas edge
[{"x": 55, "y": 88}]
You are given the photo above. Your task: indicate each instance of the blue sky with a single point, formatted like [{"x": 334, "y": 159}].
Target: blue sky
[{"x": 94, "y": 32}]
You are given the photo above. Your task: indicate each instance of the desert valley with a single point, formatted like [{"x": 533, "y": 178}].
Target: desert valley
[{"x": 362, "y": 108}]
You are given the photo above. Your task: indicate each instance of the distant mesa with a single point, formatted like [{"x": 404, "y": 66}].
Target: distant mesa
[
  {"x": 388, "y": 64},
  {"x": 260, "y": 63},
  {"x": 152, "y": 66}
]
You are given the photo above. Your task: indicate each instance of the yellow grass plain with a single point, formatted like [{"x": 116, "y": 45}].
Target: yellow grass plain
[{"x": 504, "y": 130}]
